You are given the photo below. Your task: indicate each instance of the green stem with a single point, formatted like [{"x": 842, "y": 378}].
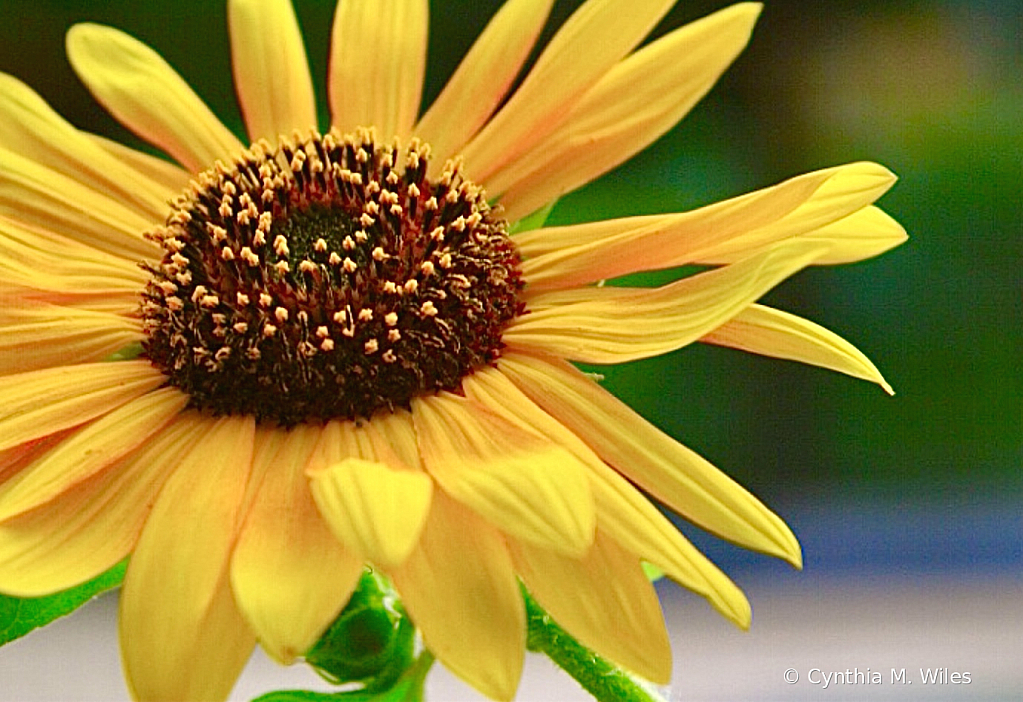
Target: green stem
[
  {"x": 601, "y": 678},
  {"x": 416, "y": 676}
]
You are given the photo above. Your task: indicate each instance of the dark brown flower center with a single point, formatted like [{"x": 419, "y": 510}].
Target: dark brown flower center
[{"x": 328, "y": 277}]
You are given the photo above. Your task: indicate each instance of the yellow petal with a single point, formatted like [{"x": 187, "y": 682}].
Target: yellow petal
[
  {"x": 90, "y": 450},
  {"x": 771, "y": 332},
  {"x": 623, "y": 512},
  {"x": 637, "y": 101},
  {"x": 43, "y": 402},
  {"x": 587, "y": 45},
  {"x": 374, "y": 509},
  {"x": 182, "y": 637},
  {"x": 483, "y": 77},
  {"x": 614, "y": 325},
  {"x": 145, "y": 94},
  {"x": 30, "y": 128},
  {"x": 525, "y": 485},
  {"x": 460, "y": 590},
  {"x": 650, "y": 458},
  {"x": 91, "y": 526},
  {"x": 863, "y": 234},
  {"x": 290, "y": 576},
  {"x": 37, "y": 196},
  {"x": 44, "y": 336},
  {"x": 604, "y": 600},
  {"x": 171, "y": 176},
  {"x": 377, "y": 63},
  {"x": 725, "y": 232},
  {"x": 271, "y": 73}
]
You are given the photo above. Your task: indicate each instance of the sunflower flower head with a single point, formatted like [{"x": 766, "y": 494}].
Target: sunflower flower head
[{"x": 340, "y": 349}]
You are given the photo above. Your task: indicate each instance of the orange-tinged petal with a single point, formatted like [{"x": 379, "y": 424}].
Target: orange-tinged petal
[
  {"x": 30, "y": 128},
  {"x": 623, "y": 512},
  {"x": 666, "y": 469},
  {"x": 89, "y": 451},
  {"x": 377, "y": 64},
  {"x": 637, "y": 101},
  {"x": 182, "y": 636},
  {"x": 483, "y": 77},
  {"x": 145, "y": 94},
  {"x": 527, "y": 486},
  {"x": 271, "y": 73},
  {"x": 44, "y": 336},
  {"x": 460, "y": 590},
  {"x": 290, "y": 576},
  {"x": 73, "y": 395},
  {"x": 724, "y": 232},
  {"x": 771, "y": 332},
  {"x": 93, "y": 525},
  {"x": 376, "y": 510},
  {"x": 614, "y": 325},
  {"x": 587, "y": 45},
  {"x": 604, "y": 600}
]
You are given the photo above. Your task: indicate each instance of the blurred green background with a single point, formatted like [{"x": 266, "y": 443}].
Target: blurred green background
[{"x": 932, "y": 89}]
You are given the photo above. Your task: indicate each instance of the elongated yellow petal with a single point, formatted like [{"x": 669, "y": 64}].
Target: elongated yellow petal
[
  {"x": 771, "y": 332},
  {"x": 145, "y": 94},
  {"x": 525, "y": 485},
  {"x": 483, "y": 77},
  {"x": 376, "y": 510},
  {"x": 377, "y": 63},
  {"x": 44, "y": 336},
  {"x": 73, "y": 395},
  {"x": 289, "y": 575},
  {"x": 91, "y": 526},
  {"x": 614, "y": 325},
  {"x": 637, "y": 101},
  {"x": 653, "y": 460},
  {"x": 171, "y": 176},
  {"x": 604, "y": 600},
  {"x": 804, "y": 206},
  {"x": 271, "y": 73},
  {"x": 34, "y": 195},
  {"x": 89, "y": 451},
  {"x": 588, "y": 44},
  {"x": 30, "y": 128},
  {"x": 622, "y": 511},
  {"x": 182, "y": 636},
  {"x": 460, "y": 589}
]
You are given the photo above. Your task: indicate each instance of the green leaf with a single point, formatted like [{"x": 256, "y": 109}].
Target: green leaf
[
  {"x": 533, "y": 221},
  {"x": 19, "y": 616}
]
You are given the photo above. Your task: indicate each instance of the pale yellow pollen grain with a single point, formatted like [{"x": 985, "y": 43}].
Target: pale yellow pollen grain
[
  {"x": 225, "y": 209},
  {"x": 243, "y": 217},
  {"x": 209, "y": 301},
  {"x": 340, "y": 316},
  {"x": 445, "y": 260},
  {"x": 249, "y": 257},
  {"x": 348, "y": 243},
  {"x": 266, "y": 220},
  {"x": 413, "y": 191},
  {"x": 349, "y": 265},
  {"x": 228, "y": 187},
  {"x": 281, "y": 245},
  {"x": 199, "y": 291},
  {"x": 371, "y": 346},
  {"x": 379, "y": 254},
  {"x": 307, "y": 266},
  {"x": 242, "y": 299},
  {"x": 437, "y": 233},
  {"x": 371, "y": 208},
  {"x": 388, "y": 356},
  {"x": 361, "y": 155},
  {"x": 327, "y": 345},
  {"x": 365, "y": 314},
  {"x": 393, "y": 335},
  {"x": 392, "y": 178},
  {"x": 281, "y": 314},
  {"x": 427, "y": 267},
  {"x": 361, "y": 236},
  {"x": 184, "y": 277},
  {"x": 174, "y": 303},
  {"x": 320, "y": 245},
  {"x": 174, "y": 245},
  {"x": 348, "y": 331},
  {"x": 227, "y": 254},
  {"x": 240, "y": 327},
  {"x": 179, "y": 259},
  {"x": 269, "y": 329},
  {"x": 431, "y": 203},
  {"x": 373, "y": 187},
  {"x": 396, "y": 210},
  {"x": 411, "y": 285},
  {"x": 365, "y": 220},
  {"x": 390, "y": 287},
  {"x": 428, "y": 309},
  {"x": 334, "y": 259},
  {"x": 265, "y": 300},
  {"x": 282, "y": 267},
  {"x": 258, "y": 239},
  {"x": 391, "y": 318},
  {"x": 167, "y": 287},
  {"x": 322, "y": 332}
]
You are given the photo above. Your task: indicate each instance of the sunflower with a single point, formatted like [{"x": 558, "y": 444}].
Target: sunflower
[{"x": 265, "y": 365}]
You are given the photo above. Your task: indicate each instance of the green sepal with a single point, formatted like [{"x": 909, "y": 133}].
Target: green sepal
[
  {"x": 533, "y": 221},
  {"x": 129, "y": 352},
  {"x": 372, "y": 642},
  {"x": 408, "y": 688},
  {"x": 19, "y": 616}
]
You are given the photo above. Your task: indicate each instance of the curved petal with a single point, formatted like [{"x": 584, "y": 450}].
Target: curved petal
[
  {"x": 622, "y": 511},
  {"x": 89, "y": 451},
  {"x": 724, "y": 232},
  {"x": 74, "y": 395},
  {"x": 182, "y": 636},
  {"x": 528, "y": 487},
  {"x": 614, "y": 325},
  {"x": 289, "y": 575},
  {"x": 171, "y": 176},
  {"x": 145, "y": 94},
  {"x": 271, "y": 73},
  {"x": 587, "y": 45},
  {"x": 604, "y": 600},
  {"x": 45, "y": 336},
  {"x": 483, "y": 77},
  {"x": 771, "y": 332},
  {"x": 460, "y": 589},
  {"x": 30, "y": 128},
  {"x": 377, "y": 64},
  {"x": 374, "y": 509},
  {"x": 637, "y": 101},
  {"x": 92, "y": 525},
  {"x": 666, "y": 469}
]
